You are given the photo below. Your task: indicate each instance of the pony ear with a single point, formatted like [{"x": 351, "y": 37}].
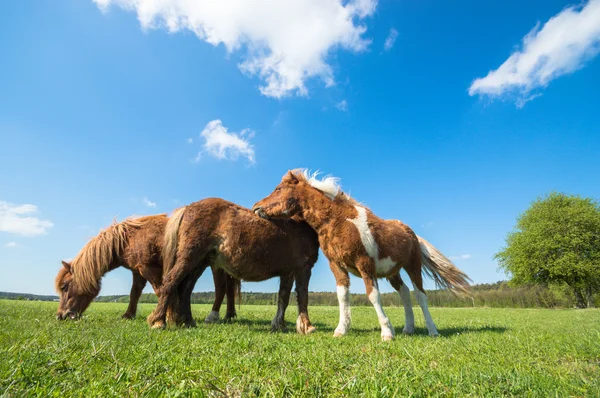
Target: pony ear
[
  {"x": 292, "y": 177},
  {"x": 66, "y": 265}
]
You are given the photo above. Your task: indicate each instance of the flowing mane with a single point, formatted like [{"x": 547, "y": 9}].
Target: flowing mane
[
  {"x": 98, "y": 254},
  {"x": 329, "y": 185}
]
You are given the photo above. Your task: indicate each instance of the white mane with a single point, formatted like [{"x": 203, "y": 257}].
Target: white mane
[{"x": 329, "y": 185}]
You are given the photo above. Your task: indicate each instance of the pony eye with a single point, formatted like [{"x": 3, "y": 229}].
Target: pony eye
[{"x": 64, "y": 288}]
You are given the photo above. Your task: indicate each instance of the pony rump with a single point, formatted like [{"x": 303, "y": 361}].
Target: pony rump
[
  {"x": 171, "y": 239},
  {"x": 98, "y": 254},
  {"x": 443, "y": 272}
]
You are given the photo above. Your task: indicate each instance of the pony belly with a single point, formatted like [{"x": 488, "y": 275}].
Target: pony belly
[{"x": 385, "y": 267}]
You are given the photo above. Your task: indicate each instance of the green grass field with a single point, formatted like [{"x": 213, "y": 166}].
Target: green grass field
[{"x": 481, "y": 352}]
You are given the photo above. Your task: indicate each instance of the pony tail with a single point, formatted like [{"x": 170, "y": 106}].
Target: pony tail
[
  {"x": 443, "y": 272},
  {"x": 171, "y": 239},
  {"x": 238, "y": 290}
]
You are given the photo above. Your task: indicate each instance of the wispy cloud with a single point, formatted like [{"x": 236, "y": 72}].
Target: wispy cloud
[
  {"x": 342, "y": 106},
  {"x": 461, "y": 257},
  {"x": 390, "y": 40},
  {"x": 13, "y": 245},
  {"x": 222, "y": 144},
  {"x": 17, "y": 219},
  {"x": 561, "y": 46},
  {"x": 285, "y": 42},
  {"x": 148, "y": 202}
]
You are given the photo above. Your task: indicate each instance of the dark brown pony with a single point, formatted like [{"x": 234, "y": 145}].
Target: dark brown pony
[
  {"x": 136, "y": 244},
  {"x": 214, "y": 231},
  {"x": 357, "y": 241}
]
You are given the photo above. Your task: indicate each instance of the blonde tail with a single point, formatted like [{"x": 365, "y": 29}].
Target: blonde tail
[
  {"x": 171, "y": 239},
  {"x": 445, "y": 274}
]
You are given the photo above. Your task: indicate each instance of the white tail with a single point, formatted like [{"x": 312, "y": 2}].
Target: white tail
[
  {"x": 444, "y": 273},
  {"x": 171, "y": 239}
]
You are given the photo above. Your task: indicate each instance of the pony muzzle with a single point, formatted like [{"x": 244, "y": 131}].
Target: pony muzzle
[{"x": 259, "y": 211}]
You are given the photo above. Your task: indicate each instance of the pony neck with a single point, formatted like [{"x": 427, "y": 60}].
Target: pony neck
[{"x": 319, "y": 211}]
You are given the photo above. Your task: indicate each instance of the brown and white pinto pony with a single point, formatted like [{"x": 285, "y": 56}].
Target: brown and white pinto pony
[
  {"x": 135, "y": 244},
  {"x": 357, "y": 241},
  {"x": 247, "y": 247}
]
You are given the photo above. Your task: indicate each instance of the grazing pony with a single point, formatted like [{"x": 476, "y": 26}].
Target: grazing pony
[
  {"x": 357, "y": 241},
  {"x": 248, "y": 247},
  {"x": 137, "y": 245}
]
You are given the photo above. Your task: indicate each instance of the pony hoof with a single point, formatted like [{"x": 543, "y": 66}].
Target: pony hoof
[
  {"x": 338, "y": 334},
  {"x": 158, "y": 325},
  {"x": 387, "y": 337},
  {"x": 408, "y": 331},
  {"x": 128, "y": 316},
  {"x": 213, "y": 317},
  {"x": 310, "y": 329},
  {"x": 436, "y": 334}
]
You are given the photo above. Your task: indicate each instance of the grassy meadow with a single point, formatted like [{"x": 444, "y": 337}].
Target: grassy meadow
[{"x": 481, "y": 352}]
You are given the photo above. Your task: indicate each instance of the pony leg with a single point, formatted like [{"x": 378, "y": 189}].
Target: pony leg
[
  {"x": 303, "y": 325},
  {"x": 168, "y": 293},
  {"x": 184, "y": 290},
  {"x": 136, "y": 291},
  {"x": 409, "y": 316},
  {"x": 387, "y": 331},
  {"x": 220, "y": 283},
  {"x": 231, "y": 285},
  {"x": 417, "y": 281},
  {"x": 283, "y": 299},
  {"x": 343, "y": 293}
]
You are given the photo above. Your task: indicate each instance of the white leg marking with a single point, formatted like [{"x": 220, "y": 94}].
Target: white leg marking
[
  {"x": 343, "y": 294},
  {"x": 213, "y": 317},
  {"x": 387, "y": 331},
  {"x": 278, "y": 322},
  {"x": 422, "y": 299},
  {"x": 409, "y": 316},
  {"x": 382, "y": 266}
]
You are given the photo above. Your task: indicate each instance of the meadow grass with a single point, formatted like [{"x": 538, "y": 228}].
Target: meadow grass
[{"x": 481, "y": 352}]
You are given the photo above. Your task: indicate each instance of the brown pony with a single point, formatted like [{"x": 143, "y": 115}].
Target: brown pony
[
  {"x": 246, "y": 246},
  {"x": 137, "y": 245},
  {"x": 357, "y": 241}
]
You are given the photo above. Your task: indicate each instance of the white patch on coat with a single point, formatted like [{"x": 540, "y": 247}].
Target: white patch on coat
[
  {"x": 382, "y": 266},
  {"x": 213, "y": 317},
  {"x": 343, "y": 294}
]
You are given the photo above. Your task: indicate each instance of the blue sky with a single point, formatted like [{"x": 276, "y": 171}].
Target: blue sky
[{"x": 468, "y": 113}]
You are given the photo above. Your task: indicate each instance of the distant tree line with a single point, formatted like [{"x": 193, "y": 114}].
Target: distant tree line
[{"x": 498, "y": 295}]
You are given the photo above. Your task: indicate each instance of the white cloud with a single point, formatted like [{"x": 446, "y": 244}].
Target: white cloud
[
  {"x": 342, "y": 105},
  {"x": 223, "y": 144},
  {"x": 284, "y": 42},
  {"x": 562, "y": 45},
  {"x": 391, "y": 39},
  {"x": 461, "y": 257},
  {"x": 148, "y": 202},
  {"x": 190, "y": 140},
  {"x": 12, "y": 245},
  {"x": 16, "y": 219}
]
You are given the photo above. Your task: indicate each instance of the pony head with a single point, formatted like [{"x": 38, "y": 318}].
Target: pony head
[
  {"x": 73, "y": 300},
  {"x": 288, "y": 198}
]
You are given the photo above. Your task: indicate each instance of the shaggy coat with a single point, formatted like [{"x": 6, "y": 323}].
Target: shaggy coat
[
  {"x": 357, "y": 241},
  {"x": 247, "y": 247},
  {"x": 136, "y": 244}
]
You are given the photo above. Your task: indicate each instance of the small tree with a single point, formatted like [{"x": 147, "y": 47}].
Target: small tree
[{"x": 556, "y": 241}]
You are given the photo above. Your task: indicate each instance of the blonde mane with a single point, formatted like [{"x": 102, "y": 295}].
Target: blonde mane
[
  {"x": 94, "y": 260},
  {"x": 329, "y": 185}
]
